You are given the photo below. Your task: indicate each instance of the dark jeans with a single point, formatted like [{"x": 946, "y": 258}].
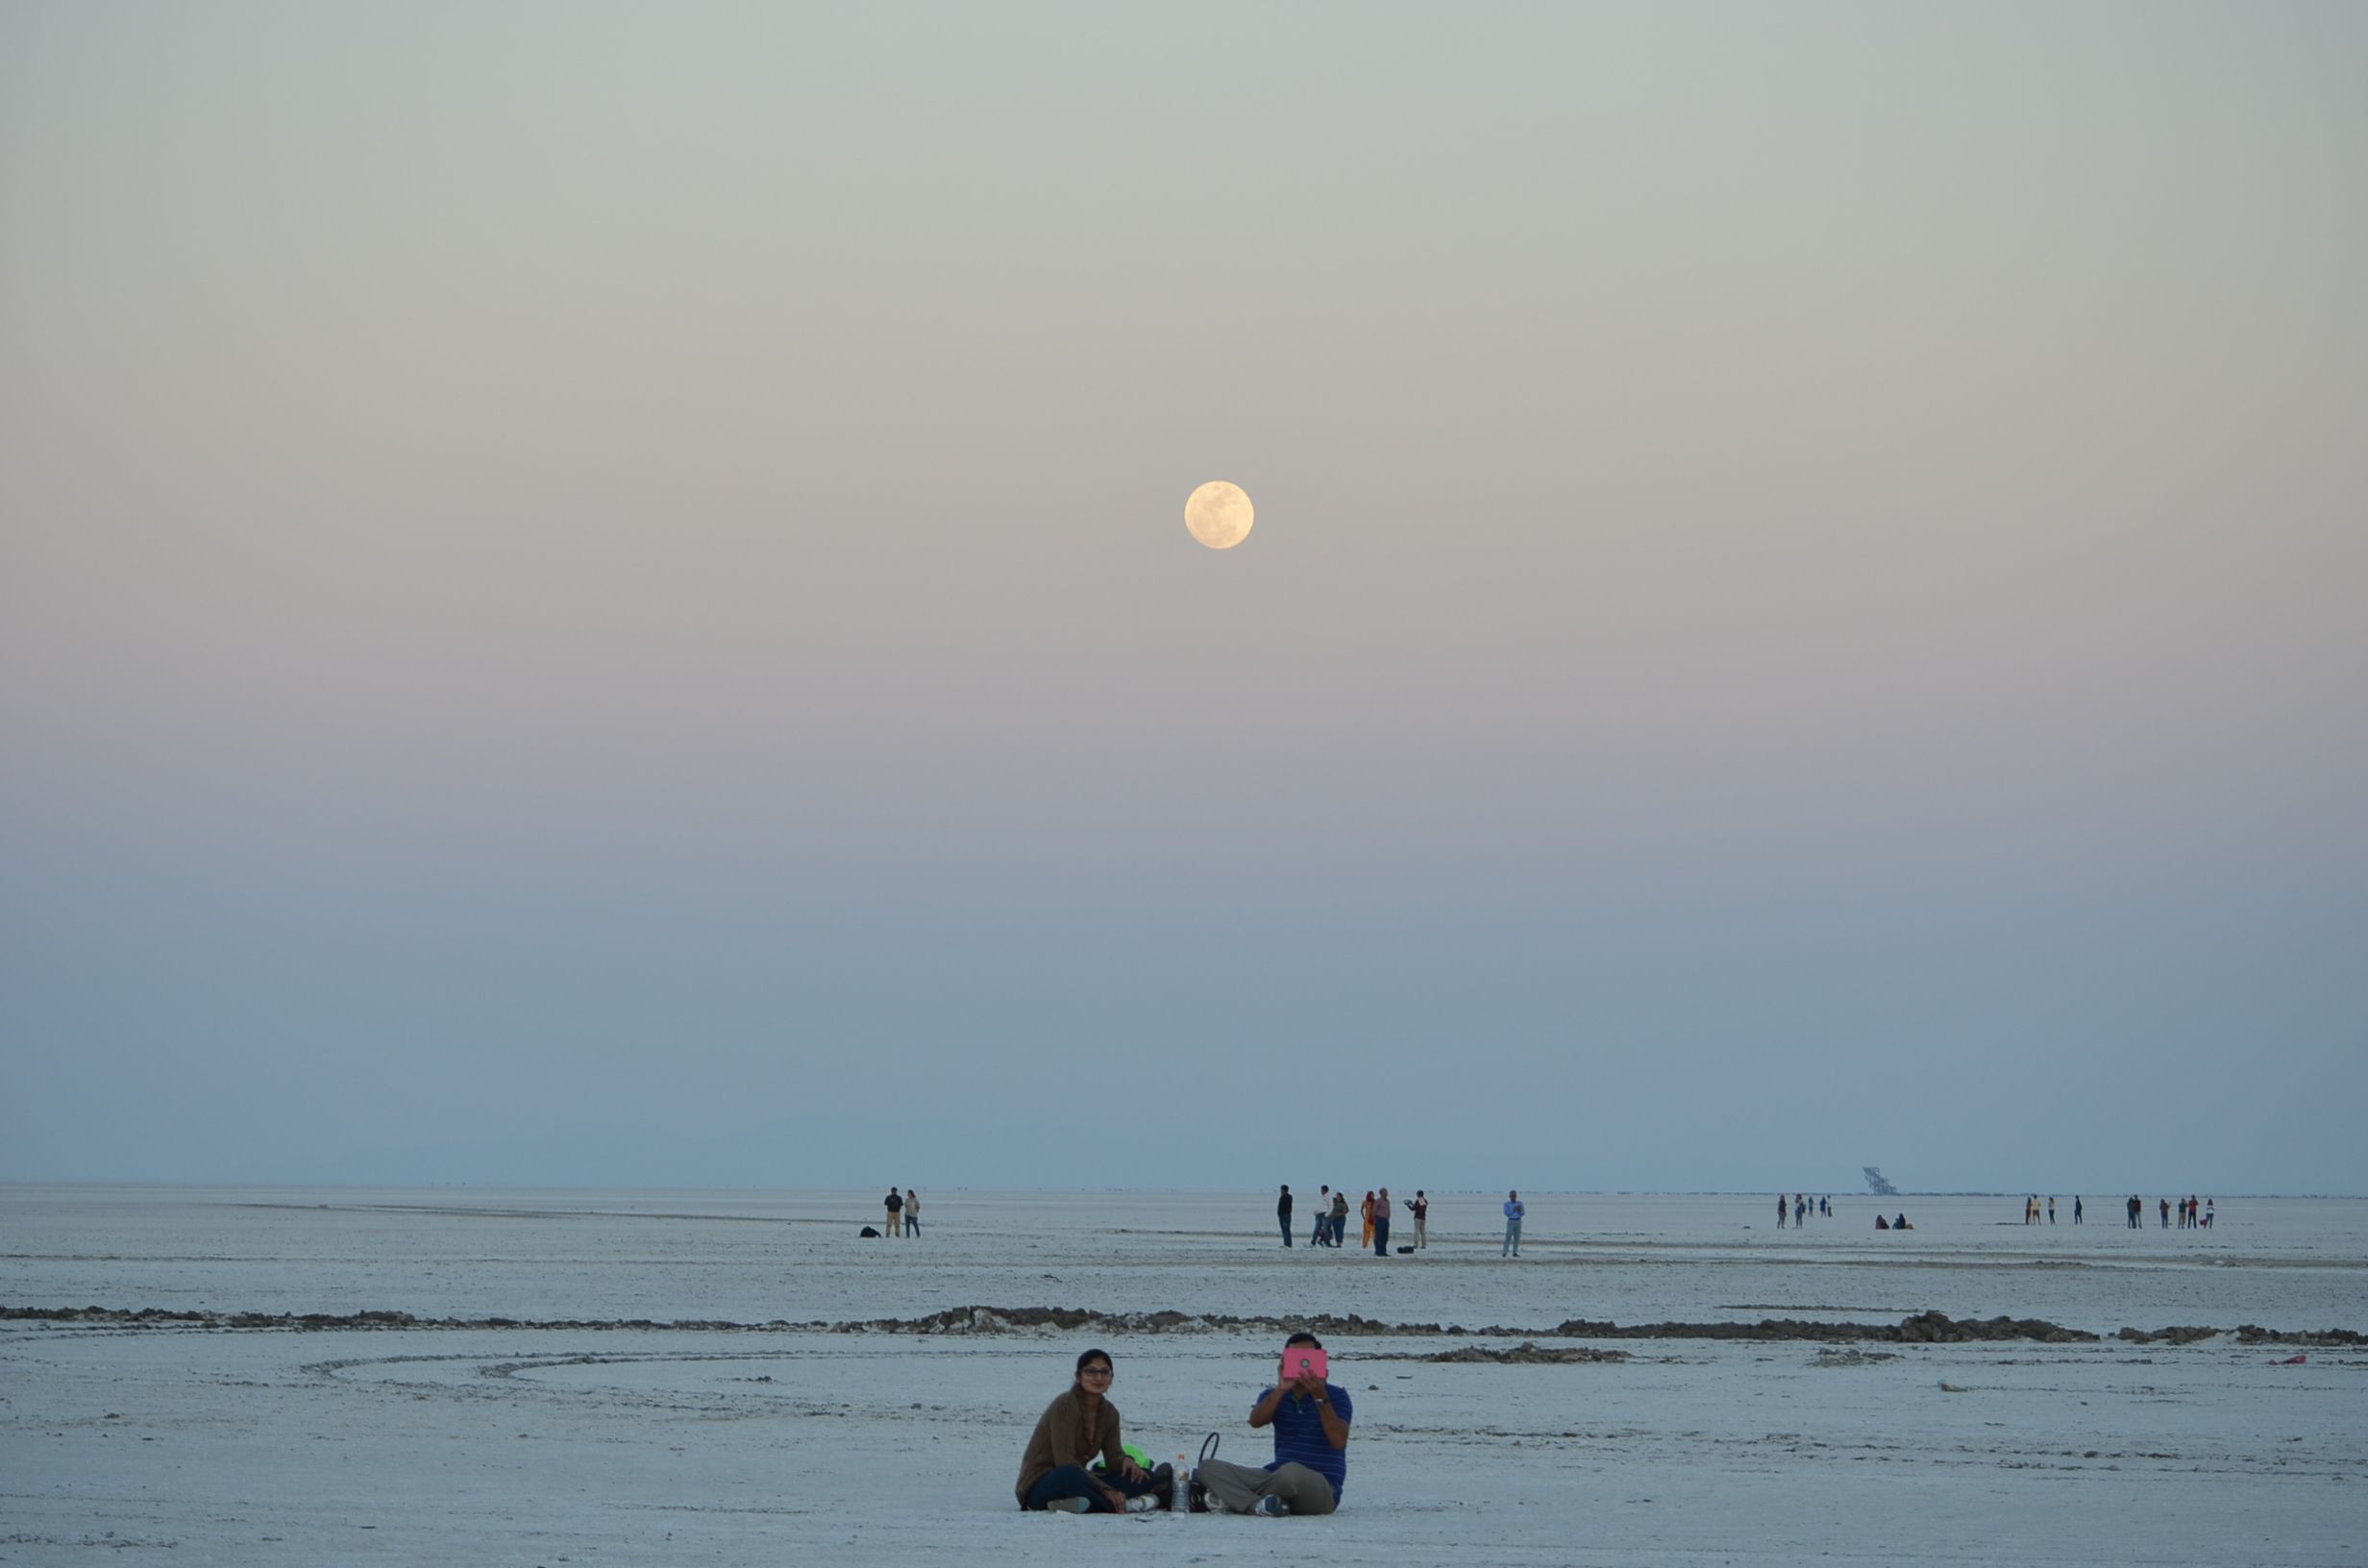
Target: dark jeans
[
  {"x": 1286, "y": 1219},
  {"x": 1072, "y": 1480},
  {"x": 1381, "y": 1235},
  {"x": 1340, "y": 1229}
]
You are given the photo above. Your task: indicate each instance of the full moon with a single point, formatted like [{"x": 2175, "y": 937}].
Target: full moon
[{"x": 1218, "y": 515}]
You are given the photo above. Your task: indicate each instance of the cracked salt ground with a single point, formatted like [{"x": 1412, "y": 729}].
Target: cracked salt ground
[{"x": 600, "y": 1442}]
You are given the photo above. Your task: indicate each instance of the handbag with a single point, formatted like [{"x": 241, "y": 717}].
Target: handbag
[{"x": 1197, "y": 1495}]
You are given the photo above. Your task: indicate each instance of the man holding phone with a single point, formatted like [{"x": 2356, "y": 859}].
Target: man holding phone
[{"x": 1310, "y": 1417}]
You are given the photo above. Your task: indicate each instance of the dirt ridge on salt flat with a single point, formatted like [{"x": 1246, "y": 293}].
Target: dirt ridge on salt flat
[{"x": 1921, "y": 1328}]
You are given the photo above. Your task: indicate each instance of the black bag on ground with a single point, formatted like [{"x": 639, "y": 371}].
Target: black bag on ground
[{"x": 1198, "y": 1494}]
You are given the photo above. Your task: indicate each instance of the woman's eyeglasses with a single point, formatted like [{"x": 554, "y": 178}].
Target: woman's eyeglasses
[{"x": 1096, "y": 1372}]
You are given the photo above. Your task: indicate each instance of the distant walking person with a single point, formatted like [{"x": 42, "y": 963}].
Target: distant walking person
[
  {"x": 1421, "y": 1206},
  {"x": 1319, "y": 1234},
  {"x": 1339, "y": 1217},
  {"x": 1514, "y": 1209},
  {"x": 1282, "y": 1212},
  {"x": 2076, "y": 1209},
  {"x": 1381, "y": 1224},
  {"x": 912, "y": 1212},
  {"x": 896, "y": 1213}
]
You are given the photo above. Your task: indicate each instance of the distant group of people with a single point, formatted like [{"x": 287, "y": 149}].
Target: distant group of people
[
  {"x": 1331, "y": 1224},
  {"x": 903, "y": 1213},
  {"x": 2192, "y": 1215},
  {"x": 1076, "y": 1461}
]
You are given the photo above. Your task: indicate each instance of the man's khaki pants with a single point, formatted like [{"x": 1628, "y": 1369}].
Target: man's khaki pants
[{"x": 1237, "y": 1487}]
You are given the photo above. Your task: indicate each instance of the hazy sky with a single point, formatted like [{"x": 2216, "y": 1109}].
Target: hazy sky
[{"x": 597, "y": 594}]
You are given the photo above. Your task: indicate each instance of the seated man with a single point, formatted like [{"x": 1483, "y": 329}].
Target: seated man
[{"x": 1310, "y": 1418}]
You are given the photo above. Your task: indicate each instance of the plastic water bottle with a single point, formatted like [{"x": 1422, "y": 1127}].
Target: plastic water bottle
[{"x": 1181, "y": 1498}]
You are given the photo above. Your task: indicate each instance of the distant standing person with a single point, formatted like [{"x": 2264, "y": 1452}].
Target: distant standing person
[
  {"x": 1319, "y": 1233},
  {"x": 1421, "y": 1206},
  {"x": 896, "y": 1213},
  {"x": 1381, "y": 1224},
  {"x": 2165, "y": 1204},
  {"x": 2050, "y": 1208},
  {"x": 912, "y": 1212},
  {"x": 1365, "y": 1219},
  {"x": 1340, "y": 1217},
  {"x": 1514, "y": 1209},
  {"x": 2136, "y": 1208},
  {"x": 1780, "y": 1211},
  {"x": 1282, "y": 1212}
]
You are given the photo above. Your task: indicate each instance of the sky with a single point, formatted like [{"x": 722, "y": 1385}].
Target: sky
[{"x": 596, "y": 595}]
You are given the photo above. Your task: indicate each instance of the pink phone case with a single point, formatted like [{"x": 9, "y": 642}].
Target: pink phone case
[{"x": 1305, "y": 1358}]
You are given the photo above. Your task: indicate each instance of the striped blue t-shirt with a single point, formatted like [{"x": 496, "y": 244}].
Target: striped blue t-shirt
[{"x": 1298, "y": 1435}]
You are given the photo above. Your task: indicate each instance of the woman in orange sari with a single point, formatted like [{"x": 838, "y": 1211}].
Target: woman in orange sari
[{"x": 1366, "y": 1210}]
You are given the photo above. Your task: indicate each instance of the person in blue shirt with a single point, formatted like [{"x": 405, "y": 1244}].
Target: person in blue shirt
[
  {"x": 1514, "y": 1209},
  {"x": 1310, "y": 1418}
]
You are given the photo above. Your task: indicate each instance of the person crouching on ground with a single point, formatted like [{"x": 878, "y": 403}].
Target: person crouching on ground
[
  {"x": 1080, "y": 1426},
  {"x": 1310, "y": 1418}
]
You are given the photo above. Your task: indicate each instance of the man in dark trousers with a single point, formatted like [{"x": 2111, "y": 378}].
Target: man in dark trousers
[{"x": 1282, "y": 1212}]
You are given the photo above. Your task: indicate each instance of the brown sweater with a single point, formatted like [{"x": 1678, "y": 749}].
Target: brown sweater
[{"x": 1059, "y": 1440}]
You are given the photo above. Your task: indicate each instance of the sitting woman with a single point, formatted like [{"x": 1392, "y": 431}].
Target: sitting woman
[{"x": 1077, "y": 1428}]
